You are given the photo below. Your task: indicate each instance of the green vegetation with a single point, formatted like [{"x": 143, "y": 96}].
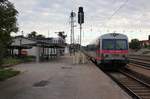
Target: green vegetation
[
  {"x": 147, "y": 46},
  {"x": 7, "y": 73},
  {"x": 35, "y": 35},
  {"x": 61, "y": 34},
  {"x": 8, "y": 24},
  {"x": 13, "y": 61},
  {"x": 28, "y": 59},
  {"x": 135, "y": 44}
]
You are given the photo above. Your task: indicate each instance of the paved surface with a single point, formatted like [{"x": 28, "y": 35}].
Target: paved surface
[{"x": 60, "y": 80}]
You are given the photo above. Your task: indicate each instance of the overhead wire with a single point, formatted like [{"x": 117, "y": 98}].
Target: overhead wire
[
  {"x": 114, "y": 13},
  {"x": 117, "y": 10}
]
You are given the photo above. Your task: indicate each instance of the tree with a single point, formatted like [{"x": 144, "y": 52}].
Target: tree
[
  {"x": 135, "y": 44},
  {"x": 8, "y": 24},
  {"x": 40, "y": 36},
  {"x": 61, "y": 34},
  {"x": 32, "y": 34}
]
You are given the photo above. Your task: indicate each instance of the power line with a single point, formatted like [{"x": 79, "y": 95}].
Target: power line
[
  {"x": 115, "y": 12},
  {"x": 118, "y": 9}
]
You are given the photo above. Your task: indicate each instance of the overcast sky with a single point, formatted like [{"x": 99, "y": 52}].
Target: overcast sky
[{"x": 133, "y": 19}]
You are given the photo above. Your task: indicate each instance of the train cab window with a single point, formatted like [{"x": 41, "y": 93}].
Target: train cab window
[
  {"x": 121, "y": 44},
  {"x": 108, "y": 44},
  {"x": 114, "y": 44}
]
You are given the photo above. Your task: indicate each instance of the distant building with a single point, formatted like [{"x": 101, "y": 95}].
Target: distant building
[
  {"x": 145, "y": 43},
  {"x": 46, "y": 46}
]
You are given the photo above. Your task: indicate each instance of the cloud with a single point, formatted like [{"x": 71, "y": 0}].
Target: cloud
[{"x": 53, "y": 15}]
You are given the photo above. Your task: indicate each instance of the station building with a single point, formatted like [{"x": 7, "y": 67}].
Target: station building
[{"x": 39, "y": 48}]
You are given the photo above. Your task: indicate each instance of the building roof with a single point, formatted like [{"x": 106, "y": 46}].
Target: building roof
[
  {"x": 25, "y": 42},
  {"x": 145, "y": 41}
]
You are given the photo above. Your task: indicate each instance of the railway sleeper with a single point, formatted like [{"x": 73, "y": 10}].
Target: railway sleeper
[
  {"x": 143, "y": 94},
  {"x": 138, "y": 88},
  {"x": 142, "y": 91},
  {"x": 145, "y": 97},
  {"x": 135, "y": 86},
  {"x": 129, "y": 83}
]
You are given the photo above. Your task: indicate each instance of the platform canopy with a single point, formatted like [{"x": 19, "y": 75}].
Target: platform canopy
[{"x": 25, "y": 43}]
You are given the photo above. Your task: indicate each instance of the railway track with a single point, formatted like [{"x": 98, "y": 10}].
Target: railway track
[
  {"x": 132, "y": 85},
  {"x": 140, "y": 57},
  {"x": 140, "y": 66},
  {"x": 139, "y": 60},
  {"x": 142, "y": 75}
]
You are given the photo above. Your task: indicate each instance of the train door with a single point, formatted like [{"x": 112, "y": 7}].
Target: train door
[{"x": 98, "y": 48}]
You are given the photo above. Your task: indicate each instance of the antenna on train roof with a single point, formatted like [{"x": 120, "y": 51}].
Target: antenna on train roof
[{"x": 114, "y": 34}]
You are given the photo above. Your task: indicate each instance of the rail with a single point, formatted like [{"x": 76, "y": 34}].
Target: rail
[
  {"x": 132, "y": 85},
  {"x": 140, "y": 57},
  {"x": 140, "y": 60}
]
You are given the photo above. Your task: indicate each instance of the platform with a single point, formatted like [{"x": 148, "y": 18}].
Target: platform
[{"x": 60, "y": 79}]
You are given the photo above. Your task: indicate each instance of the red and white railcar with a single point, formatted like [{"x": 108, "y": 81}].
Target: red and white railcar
[{"x": 109, "y": 50}]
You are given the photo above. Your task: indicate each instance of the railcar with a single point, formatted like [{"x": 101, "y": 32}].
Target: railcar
[{"x": 109, "y": 51}]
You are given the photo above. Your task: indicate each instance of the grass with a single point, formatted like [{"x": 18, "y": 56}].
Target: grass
[
  {"x": 16, "y": 60},
  {"x": 7, "y": 73},
  {"x": 28, "y": 58},
  {"x": 11, "y": 61}
]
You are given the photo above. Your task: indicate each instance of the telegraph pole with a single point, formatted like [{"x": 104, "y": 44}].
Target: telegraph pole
[
  {"x": 72, "y": 15},
  {"x": 72, "y": 27}
]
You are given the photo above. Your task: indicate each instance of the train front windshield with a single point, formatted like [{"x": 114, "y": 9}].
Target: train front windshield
[{"x": 114, "y": 44}]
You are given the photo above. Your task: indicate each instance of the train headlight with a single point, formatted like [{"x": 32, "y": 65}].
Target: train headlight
[
  {"x": 124, "y": 56},
  {"x": 106, "y": 55},
  {"x": 102, "y": 55}
]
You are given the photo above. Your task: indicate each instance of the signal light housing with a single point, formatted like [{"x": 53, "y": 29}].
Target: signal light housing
[{"x": 80, "y": 15}]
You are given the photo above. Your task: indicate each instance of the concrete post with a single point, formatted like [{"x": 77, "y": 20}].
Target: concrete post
[{"x": 37, "y": 53}]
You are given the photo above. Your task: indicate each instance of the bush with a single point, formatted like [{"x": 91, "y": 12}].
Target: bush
[
  {"x": 7, "y": 73},
  {"x": 16, "y": 60},
  {"x": 11, "y": 61},
  {"x": 28, "y": 58},
  {"x": 135, "y": 44}
]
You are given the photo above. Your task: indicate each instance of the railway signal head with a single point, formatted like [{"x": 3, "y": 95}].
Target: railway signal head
[
  {"x": 80, "y": 15},
  {"x": 73, "y": 14}
]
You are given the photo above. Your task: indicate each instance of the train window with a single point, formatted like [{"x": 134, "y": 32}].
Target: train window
[
  {"x": 112, "y": 44},
  {"x": 108, "y": 44},
  {"x": 121, "y": 44}
]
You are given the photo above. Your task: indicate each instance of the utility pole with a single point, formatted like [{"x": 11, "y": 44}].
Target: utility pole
[{"x": 72, "y": 15}]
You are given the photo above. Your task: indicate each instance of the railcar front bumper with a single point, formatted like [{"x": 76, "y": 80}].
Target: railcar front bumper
[{"x": 114, "y": 63}]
